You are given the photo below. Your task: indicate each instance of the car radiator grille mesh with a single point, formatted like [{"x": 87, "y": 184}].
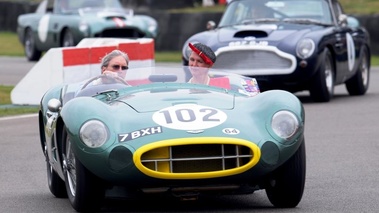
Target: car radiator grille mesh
[
  {"x": 251, "y": 59},
  {"x": 196, "y": 158},
  {"x": 121, "y": 33}
]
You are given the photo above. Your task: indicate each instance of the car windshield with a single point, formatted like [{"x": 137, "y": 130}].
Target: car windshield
[
  {"x": 179, "y": 75},
  {"x": 87, "y": 6},
  {"x": 299, "y": 11}
]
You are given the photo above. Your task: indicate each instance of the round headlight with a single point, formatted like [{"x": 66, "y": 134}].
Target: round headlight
[
  {"x": 94, "y": 133},
  {"x": 305, "y": 48},
  {"x": 84, "y": 27},
  {"x": 285, "y": 124}
]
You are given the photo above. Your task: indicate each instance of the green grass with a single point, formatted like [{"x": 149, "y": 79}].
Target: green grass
[
  {"x": 10, "y": 45},
  {"x": 168, "y": 56},
  {"x": 360, "y": 6},
  {"x": 6, "y": 107},
  {"x": 4, "y": 94},
  {"x": 10, "y": 110}
]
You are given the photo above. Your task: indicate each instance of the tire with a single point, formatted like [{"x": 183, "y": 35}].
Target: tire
[
  {"x": 322, "y": 85},
  {"x": 358, "y": 84},
  {"x": 287, "y": 186},
  {"x": 85, "y": 191},
  {"x": 67, "y": 39},
  {"x": 31, "y": 52},
  {"x": 56, "y": 184}
]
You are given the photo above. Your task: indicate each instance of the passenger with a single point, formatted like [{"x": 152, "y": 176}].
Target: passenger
[{"x": 200, "y": 61}]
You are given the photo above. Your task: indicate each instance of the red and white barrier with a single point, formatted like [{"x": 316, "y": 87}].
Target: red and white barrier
[{"x": 75, "y": 64}]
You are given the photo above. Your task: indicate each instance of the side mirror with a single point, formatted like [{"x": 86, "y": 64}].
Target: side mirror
[
  {"x": 211, "y": 25},
  {"x": 54, "y": 105},
  {"x": 342, "y": 20}
]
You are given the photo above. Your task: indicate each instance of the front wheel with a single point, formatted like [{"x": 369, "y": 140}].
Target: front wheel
[
  {"x": 286, "y": 188},
  {"x": 31, "y": 51},
  {"x": 322, "y": 84},
  {"x": 56, "y": 184},
  {"x": 358, "y": 84},
  {"x": 68, "y": 39},
  {"x": 85, "y": 190}
]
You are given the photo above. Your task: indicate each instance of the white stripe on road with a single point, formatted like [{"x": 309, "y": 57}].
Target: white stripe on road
[{"x": 18, "y": 117}]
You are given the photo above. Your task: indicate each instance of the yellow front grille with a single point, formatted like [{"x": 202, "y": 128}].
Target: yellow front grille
[{"x": 196, "y": 158}]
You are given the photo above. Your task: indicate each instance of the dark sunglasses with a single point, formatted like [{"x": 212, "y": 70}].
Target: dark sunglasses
[{"x": 117, "y": 67}]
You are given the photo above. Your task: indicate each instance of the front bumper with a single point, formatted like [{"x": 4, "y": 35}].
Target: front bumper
[{"x": 187, "y": 162}]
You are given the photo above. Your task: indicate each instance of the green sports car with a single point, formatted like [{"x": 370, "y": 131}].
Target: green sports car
[
  {"x": 63, "y": 23},
  {"x": 151, "y": 131}
]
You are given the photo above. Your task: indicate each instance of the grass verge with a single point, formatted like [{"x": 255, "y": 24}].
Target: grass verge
[
  {"x": 10, "y": 45},
  {"x": 6, "y": 107}
]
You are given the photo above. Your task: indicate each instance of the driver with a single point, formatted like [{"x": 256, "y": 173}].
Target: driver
[
  {"x": 113, "y": 67},
  {"x": 115, "y": 64}
]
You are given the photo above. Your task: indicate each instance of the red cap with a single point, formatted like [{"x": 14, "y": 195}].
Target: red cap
[{"x": 206, "y": 59}]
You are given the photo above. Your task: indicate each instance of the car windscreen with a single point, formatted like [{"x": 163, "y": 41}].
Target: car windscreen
[
  {"x": 89, "y": 6},
  {"x": 175, "y": 74},
  {"x": 240, "y": 12}
]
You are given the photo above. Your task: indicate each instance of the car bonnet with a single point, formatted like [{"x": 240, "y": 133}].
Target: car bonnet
[
  {"x": 156, "y": 99},
  {"x": 266, "y": 32}
]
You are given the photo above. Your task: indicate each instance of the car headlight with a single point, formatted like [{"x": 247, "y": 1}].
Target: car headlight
[
  {"x": 84, "y": 28},
  {"x": 152, "y": 26},
  {"x": 305, "y": 48},
  {"x": 94, "y": 133},
  {"x": 285, "y": 124}
]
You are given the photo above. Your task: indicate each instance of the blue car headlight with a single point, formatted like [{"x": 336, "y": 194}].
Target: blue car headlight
[
  {"x": 153, "y": 26},
  {"x": 305, "y": 48},
  {"x": 285, "y": 124},
  {"x": 94, "y": 133}
]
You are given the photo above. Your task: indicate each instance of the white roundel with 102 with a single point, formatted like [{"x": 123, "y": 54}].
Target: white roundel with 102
[{"x": 189, "y": 117}]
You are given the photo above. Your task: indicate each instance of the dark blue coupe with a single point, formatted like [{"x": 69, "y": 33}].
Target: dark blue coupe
[{"x": 293, "y": 45}]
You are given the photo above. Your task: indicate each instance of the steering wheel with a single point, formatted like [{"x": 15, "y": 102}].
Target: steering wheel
[{"x": 105, "y": 79}]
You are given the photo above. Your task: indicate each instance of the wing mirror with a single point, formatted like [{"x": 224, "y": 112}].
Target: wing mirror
[
  {"x": 211, "y": 25},
  {"x": 54, "y": 105},
  {"x": 342, "y": 20}
]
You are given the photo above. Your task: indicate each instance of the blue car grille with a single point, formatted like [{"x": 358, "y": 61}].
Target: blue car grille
[
  {"x": 255, "y": 60},
  {"x": 121, "y": 33}
]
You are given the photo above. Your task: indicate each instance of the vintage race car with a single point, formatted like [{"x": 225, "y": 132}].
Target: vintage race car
[
  {"x": 63, "y": 23},
  {"x": 154, "y": 132},
  {"x": 294, "y": 45}
]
